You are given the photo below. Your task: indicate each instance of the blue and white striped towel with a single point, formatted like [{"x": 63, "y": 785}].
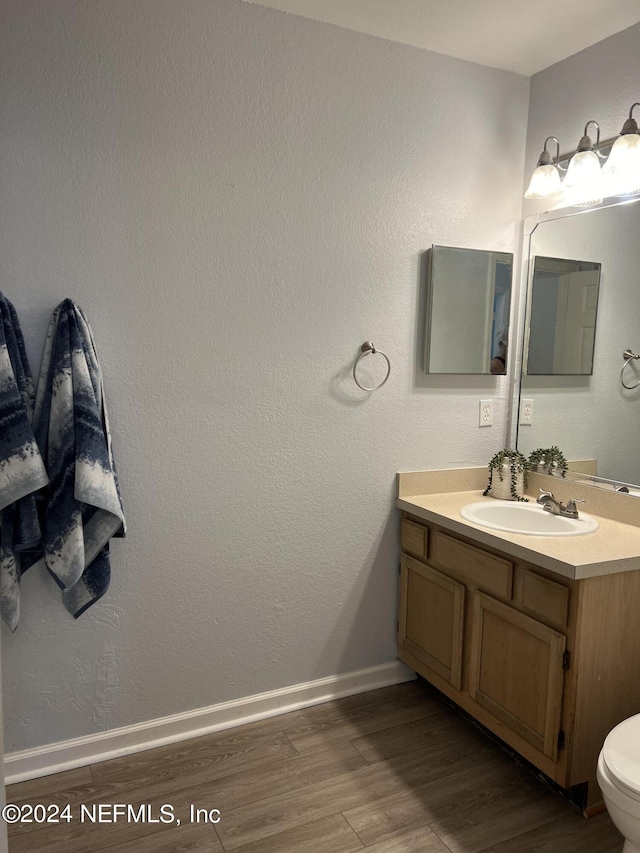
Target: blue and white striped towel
[
  {"x": 22, "y": 471},
  {"x": 83, "y": 508}
]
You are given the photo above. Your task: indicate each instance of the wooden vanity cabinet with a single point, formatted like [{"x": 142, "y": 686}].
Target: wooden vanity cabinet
[{"x": 547, "y": 663}]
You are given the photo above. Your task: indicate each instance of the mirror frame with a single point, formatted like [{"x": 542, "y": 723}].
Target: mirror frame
[{"x": 519, "y": 330}]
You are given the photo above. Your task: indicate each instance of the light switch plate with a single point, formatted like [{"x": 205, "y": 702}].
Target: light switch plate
[{"x": 526, "y": 412}]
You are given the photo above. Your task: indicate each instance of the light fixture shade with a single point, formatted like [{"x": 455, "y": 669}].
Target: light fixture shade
[
  {"x": 622, "y": 169},
  {"x": 545, "y": 182},
  {"x": 584, "y": 182}
]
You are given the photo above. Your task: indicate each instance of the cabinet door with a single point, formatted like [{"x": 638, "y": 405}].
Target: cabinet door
[
  {"x": 432, "y": 619},
  {"x": 516, "y": 671}
]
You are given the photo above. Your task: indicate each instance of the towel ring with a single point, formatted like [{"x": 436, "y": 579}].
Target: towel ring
[
  {"x": 628, "y": 356},
  {"x": 369, "y": 349}
]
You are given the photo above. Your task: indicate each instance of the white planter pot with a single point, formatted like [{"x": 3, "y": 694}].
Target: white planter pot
[
  {"x": 553, "y": 471},
  {"x": 501, "y": 489}
]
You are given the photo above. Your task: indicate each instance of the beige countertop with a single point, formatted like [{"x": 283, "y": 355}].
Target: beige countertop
[{"x": 614, "y": 547}]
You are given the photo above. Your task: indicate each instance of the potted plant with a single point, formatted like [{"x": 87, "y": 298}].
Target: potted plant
[
  {"x": 548, "y": 460},
  {"x": 512, "y": 468}
]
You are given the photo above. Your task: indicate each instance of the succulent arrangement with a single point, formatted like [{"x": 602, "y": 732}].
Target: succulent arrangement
[
  {"x": 517, "y": 464},
  {"x": 548, "y": 460}
]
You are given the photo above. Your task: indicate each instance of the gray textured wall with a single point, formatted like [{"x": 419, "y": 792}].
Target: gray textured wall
[{"x": 239, "y": 198}]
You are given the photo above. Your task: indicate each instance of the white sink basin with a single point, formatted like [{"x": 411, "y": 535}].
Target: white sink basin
[{"x": 530, "y": 518}]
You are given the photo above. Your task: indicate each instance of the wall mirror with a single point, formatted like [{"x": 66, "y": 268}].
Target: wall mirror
[
  {"x": 467, "y": 314},
  {"x": 562, "y": 310},
  {"x": 588, "y": 414}
]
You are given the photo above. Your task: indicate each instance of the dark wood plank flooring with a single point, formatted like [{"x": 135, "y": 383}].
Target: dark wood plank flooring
[{"x": 391, "y": 771}]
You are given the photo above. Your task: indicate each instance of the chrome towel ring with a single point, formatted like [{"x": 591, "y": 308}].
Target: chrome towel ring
[
  {"x": 369, "y": 349},
  {"x": 628, "y": 356}
]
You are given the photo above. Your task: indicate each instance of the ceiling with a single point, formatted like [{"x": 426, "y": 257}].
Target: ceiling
[{"x": 516, "y": 35}]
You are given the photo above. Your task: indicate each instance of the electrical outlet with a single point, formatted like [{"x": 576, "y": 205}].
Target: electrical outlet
[
  {"x": 486, "y": 413},
  {"x": 526, "y": 412}
]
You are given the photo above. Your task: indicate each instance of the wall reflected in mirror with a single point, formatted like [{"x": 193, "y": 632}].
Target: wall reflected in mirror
[
  {"x": 467, "y": 315},
  {"x": 563, "y": 305},
  {"x": 590, "y": 416}
]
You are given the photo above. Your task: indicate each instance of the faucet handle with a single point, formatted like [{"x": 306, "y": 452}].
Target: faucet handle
[
  {"x": 544, "y": 494},
  {"x": 572, "y": 503}
]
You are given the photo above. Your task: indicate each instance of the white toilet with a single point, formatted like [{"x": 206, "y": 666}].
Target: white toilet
[{"x": 619, "y": 780}]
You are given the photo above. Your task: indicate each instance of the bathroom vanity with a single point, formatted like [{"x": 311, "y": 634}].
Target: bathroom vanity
[{"x": 538, "y": 638}]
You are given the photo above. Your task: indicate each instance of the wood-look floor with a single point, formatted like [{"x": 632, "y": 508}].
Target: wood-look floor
[{"x": 391, "y": 771}]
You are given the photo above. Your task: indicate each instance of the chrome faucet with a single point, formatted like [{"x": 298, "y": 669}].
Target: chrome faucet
[{"x": 554, "y": 506}]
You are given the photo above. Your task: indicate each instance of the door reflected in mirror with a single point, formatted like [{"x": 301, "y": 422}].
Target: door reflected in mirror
[
  {"x": 468, "y": 304},
  {"x": 563, "y": 307}
]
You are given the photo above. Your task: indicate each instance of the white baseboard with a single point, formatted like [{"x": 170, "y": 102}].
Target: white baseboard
[{"x": 65, "y": 755}]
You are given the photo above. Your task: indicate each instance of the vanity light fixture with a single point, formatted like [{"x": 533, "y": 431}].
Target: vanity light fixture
[
  {"x": 587, "y": 182},
  {"x": 545, "y": 181},
  {"x": 584, "y": 183},
  {"x": 622, "y": 169}
]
